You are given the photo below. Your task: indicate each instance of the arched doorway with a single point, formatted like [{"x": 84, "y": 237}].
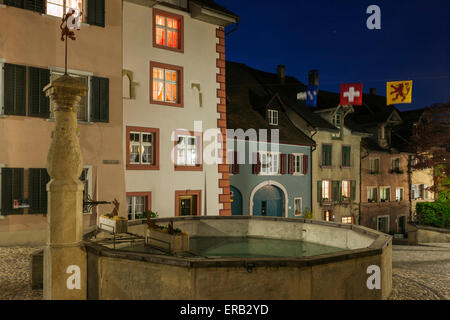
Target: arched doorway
[
  {"x": 268, "y": 201},
  {"x": 236, "y": 201}
]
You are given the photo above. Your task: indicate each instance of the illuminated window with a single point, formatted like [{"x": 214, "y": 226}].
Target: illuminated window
[
  {"x": 55, "y": 7},
  {"x": 298, "y": 163},
  {"x": 141, "y": 148},
  {"x": 395, "y": 164},
  {"x": 138, "y": 203},
  {"x": 270, "y": 163},
  {"x": 168, "y": 30},
  {"x": 188, "y": 151},
  {"x": 328, "y": 215},
  {"x": 298, "y": 206},
  {"x": 142, "y": 152},
  {"x": 372, "y": 194},
  {"x": 272, "y": 117},
  {"x": 374, "y": 165},
  {"x": 347, "y": 220},
  {"x": 346, "y": 185},
  {"x": 326, "y": 185},
  {"x": 166, "y": 84},
  {"x": 399, "y": 194},
  {"x": 385, "y": 194}
]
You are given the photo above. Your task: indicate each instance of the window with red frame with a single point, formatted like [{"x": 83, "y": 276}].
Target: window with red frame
[
  {"x": 168, "y": 30},
  {"x": 188, "y": 151},
  {"x": 142, "y": 148},
  {"x": 138, "y": 203},
  {"x": 165, "y": 85}
]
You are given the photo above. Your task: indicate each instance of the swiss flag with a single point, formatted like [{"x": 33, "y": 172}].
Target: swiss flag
[{"x": 351, "y": 94}]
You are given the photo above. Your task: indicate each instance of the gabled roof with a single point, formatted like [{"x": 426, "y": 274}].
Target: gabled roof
[
  {"x": 249, "y": 93},
  {"x": 211, "y": 4},
  {"x": 288, "y": 94}
]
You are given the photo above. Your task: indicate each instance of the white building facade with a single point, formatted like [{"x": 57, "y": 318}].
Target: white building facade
[{"x": 174, "y": 91}]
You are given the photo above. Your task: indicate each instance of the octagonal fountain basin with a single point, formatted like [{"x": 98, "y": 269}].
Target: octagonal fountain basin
[{"x": 243, "y": 257}]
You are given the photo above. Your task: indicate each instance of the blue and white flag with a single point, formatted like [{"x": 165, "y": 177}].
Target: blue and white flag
[{"x": 311, "y": 96}]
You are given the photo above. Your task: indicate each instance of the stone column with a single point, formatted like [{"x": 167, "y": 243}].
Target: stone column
[{"x": 65, "y": 275}]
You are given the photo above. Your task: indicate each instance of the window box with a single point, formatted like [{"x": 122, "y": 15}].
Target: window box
[
  {"x": 113, "y": 224},
  {"x": 375, "y": 172},
  {"x": 161, "y": 238},
  {"x": 396, "y": 171}
]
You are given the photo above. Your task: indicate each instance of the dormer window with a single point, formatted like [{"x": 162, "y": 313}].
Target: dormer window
[
  {"x": 272, "y": 117},
  {"x": 337, "y": 122}
]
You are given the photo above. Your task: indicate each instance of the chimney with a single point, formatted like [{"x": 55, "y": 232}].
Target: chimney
[
  {"x": 373, "y": 91},
  {"x": 281, "y": 70},
  {"x": 313, "y": 77}
]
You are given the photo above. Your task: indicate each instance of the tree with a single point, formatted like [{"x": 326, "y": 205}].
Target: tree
[{"x": 431, "y": 145}]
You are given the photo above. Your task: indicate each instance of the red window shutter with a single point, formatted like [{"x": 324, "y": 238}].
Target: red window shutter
[
  {"x": 235, "y": 167},
  {"x": 305, "y": 164},
  {"x": 283, "y": 163},
  {"x": 291, "y": 164},
  {"x": 256, "y": 163}
]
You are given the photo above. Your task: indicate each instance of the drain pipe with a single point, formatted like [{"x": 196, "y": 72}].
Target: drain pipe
[
  {"x": 231, "y": 31},
  {"x": 313, "y": 148}
]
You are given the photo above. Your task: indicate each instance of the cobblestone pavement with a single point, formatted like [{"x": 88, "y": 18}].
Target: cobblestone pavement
[
  {"x": 421, "y": 272},
  {"x": 418, "y": 273},
  {"x": 15, "y": 283}
]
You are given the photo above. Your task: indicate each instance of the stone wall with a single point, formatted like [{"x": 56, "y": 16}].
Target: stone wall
[
  {"x": 424, "y": 234},
  {"x": 121, "y": 275}
]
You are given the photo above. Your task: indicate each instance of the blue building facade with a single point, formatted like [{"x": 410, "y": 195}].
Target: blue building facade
[{"x": 282, "y": 185}]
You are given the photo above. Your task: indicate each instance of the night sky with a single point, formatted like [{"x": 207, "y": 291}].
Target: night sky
[{"x": 413, "y": 43}]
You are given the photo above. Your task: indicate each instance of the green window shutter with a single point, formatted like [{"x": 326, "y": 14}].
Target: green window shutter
[
  {"x": 35, "y": 5},
  {"x": 37, "y": 190},
  {"x": 12, "y": 189},
  {"x": 99, "y": 99},
  {"x": 96, "y": 12},
  {"x": 15, "y": 84},
  {"x": 330, "y": 150},
  {"x": 353, "y": 190},
  {"x": 14, "y": 3},
  {"x": 7, "y": 198},
  {"x": 346, "y": 156},
  {"x": 34, "y": 192},
  {"x": 38, "y": 103},
  {"x": 45, "y": 179},
  {"x": 319, "y": 191},
  {"x": 326, "y": 155},
  {"x": 17, "y": 190},
  {"x": 335, "y": 191}
]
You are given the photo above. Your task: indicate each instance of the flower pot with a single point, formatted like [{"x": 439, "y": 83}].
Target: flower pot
[
  {"x": 113, "y": 225},
  {"x": 166, "y": 241}
]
